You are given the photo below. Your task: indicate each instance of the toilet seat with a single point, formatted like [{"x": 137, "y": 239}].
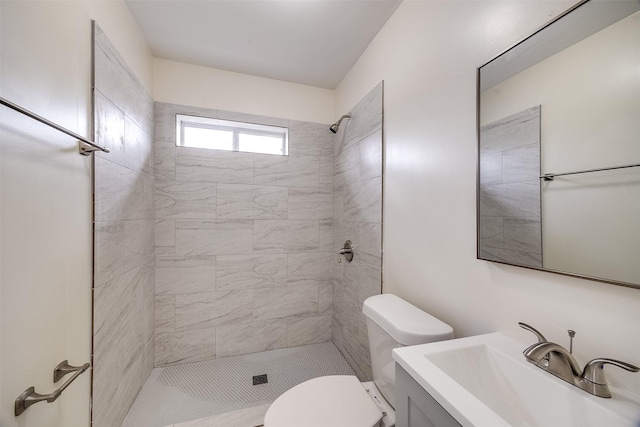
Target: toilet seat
[{"x": 335, "y": 400}]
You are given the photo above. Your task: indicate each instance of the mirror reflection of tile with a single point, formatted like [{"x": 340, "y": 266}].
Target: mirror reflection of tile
[{"x": 510, "y": 215}]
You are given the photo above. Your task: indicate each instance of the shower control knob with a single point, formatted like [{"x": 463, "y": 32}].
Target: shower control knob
[{"x": 347, "y": 252}]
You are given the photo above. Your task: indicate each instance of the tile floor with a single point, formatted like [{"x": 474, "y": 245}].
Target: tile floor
[{"x": 220, "y": 392}]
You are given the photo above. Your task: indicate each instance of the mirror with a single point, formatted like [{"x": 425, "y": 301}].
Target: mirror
[{"x": 559, "y": 147}]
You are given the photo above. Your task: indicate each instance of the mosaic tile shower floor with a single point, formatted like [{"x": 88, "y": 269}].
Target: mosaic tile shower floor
[{"x": 193, "y": 391}]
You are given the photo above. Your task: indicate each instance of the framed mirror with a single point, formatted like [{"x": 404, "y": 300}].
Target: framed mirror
[{"x": 559, "y": 147}]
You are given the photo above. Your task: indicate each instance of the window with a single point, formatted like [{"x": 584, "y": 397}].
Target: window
[{"x": 204, "y": 132}]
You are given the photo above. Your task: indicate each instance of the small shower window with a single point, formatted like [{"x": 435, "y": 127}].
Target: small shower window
[{"x": 215, "y": 134}]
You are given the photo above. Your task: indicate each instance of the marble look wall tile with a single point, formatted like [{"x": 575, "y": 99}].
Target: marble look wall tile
[
  {"x": 145, "y": 320},
  {"x": 366, "y": 118},
  {"x": 364, "y": 202},
  {"x": 368, "y": 283},
  {"x": 139, "y": 243},
  {"x": 523, "y": 235},
  {"x": 137, "y": 202},
  {"x": 124, "y": 300},
  {"x": 213, "y": 237},
  {"x": 347, "y": 170},
  {"x": 325, "y": 298},
  {"x": 174, "y": 199},
  {"x": 338, "y": 204},
  {"x": 237, "y": 201},
  {"x": 252, "y": 337},
  {"x": 113, "y": 304},
  {"x": 492, "y": 231},
  {"x": 165, "y": 307},
  {"x": 148, "y": 359},
  {"x": 208, "y": 262},
  {"x": 109, "y": 251},
  {"x": 357, "y": 217},
  {"x": 127, "y": 389},
  {"x": 310, "y": 203},
  {"x": 325, "y": 235},
  {"x": 491, "y": 169},
  {"x": 138, "y": 154},
  {"x": 165, "y": 233},
  {"x": 310, "y": 268},
  {"x": 299, "y": 171},
  {"x": 346, "y": 230},
  {"x": 309, "y": 330},
  {"x": 253, "y": 264},
  {"x": 302, "y": 236},
  {"x": 164, "y": 121},
  {"x": 285, "y": 236},
  {"x": 206, "y": 310},
  {"x": 185, "y": 347},
  {"x": 357, "y": 354},
  {"x": 371, "y": 156},
  {"x": 521, "y": 164},
  {"x": 110, "y": 189},
  {"x": 201, "y": 164},
  {"x": 109, "y": 377},
  {"x": 514, "y": 131},
  {"x": 172, "y": 281},
  {"x": 369, "y": 243},
  {"x": 326, "y": 172},
  {"x": 520, "y": 199},
  {"x": 313, "y": 139},
  {"x": 337, "y": 332},
  {"x": 250, "y": 271},
  {"x": 510, "y": 256},
  {"x": 283, "y": 302},
  {"x": 510, "y": 204},
  {"x": 110, "y": 128},
  {"x": 115, "y": 79},
  {"x": 131, "y": 345},
  {"x": 164, "y": 160}
]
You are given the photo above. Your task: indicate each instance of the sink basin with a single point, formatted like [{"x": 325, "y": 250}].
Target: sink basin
[{"x": 485, "y": 381}]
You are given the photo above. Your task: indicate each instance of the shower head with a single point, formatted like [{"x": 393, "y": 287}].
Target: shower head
[{"x": 334, "y": 127}]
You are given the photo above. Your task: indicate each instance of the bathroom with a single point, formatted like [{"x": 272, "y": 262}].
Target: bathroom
[{"x": 426, "y": 55}]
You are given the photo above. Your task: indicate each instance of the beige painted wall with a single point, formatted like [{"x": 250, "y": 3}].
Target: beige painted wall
[
  {"x": 45, "y": 66},
  {"x": 185, "y": 84},
  {"x": 590, "y": 108},
  {"x": 427, "y": 55}
]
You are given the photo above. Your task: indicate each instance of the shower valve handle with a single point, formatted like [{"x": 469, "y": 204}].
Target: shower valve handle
[{"x": 347, "y": 252}]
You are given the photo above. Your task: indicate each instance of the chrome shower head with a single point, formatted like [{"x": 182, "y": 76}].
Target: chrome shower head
[{"x": 334, "y": 127}]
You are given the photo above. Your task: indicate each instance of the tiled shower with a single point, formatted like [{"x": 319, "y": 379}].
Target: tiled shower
[{"x": 204, "y": 254}]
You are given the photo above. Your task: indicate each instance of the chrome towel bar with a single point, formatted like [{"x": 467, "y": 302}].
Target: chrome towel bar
[
  {"x": 30, "y": 397},
  {"x": 85, "y": 147},
  {"x": 551, "y": 176}
]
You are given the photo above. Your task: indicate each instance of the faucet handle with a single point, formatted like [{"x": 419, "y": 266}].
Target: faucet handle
[
  {"x": 594, "y": 379},
  {"x": 533, "y": 330},
  {"x": 594, "y": 370}
]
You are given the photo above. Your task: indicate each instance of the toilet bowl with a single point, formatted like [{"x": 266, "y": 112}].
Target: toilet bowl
[{"x": 341, "y": 400}]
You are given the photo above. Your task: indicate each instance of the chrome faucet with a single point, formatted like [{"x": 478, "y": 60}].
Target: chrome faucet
[{"x": 558, "y": 361}]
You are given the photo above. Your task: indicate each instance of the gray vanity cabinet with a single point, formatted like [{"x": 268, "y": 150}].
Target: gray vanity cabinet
[{"x": 415, "y": 407}]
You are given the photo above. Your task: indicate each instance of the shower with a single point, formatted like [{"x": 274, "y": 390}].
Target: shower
[{"x": 334, "y": 127}]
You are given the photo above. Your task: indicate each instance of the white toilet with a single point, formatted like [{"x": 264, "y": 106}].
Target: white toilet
[{"x": 341, "y": 400}]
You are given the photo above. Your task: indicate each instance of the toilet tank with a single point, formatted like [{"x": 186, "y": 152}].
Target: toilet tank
[{"x": 392, "y": 322}]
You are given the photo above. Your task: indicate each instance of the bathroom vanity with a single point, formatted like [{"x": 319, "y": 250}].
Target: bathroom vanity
[
  {"x": 415, "y": 407},
  {"x": 485, "y": 380}
]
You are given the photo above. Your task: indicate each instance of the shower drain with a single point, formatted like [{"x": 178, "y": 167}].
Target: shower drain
[{"x": 260, "y": 379}]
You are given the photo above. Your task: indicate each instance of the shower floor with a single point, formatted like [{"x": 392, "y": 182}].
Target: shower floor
[{"x": 179, "y": 393}]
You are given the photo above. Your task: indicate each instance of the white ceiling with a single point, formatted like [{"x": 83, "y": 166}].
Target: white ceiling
[{"x": 312, "y": 42}]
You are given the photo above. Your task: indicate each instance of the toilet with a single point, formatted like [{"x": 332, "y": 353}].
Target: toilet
[{"x": 341, "y": 400}]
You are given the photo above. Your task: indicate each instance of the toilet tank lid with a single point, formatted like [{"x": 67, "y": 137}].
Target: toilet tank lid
[{"x": 406, "y": 323}]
